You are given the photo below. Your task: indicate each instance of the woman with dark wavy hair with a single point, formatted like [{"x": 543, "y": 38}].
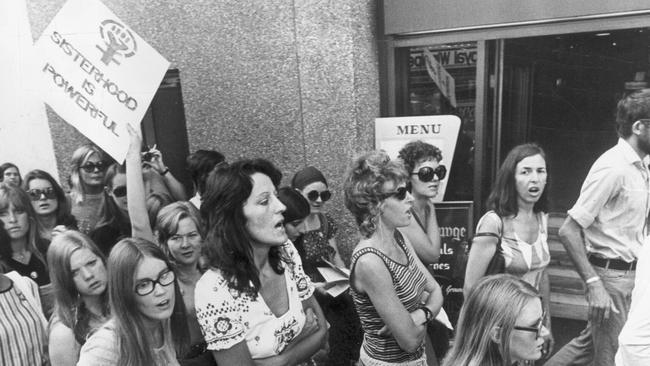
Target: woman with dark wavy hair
[
  {"x": 256, "y": 305},
  {"x": 395, "y": 296},
  {"x": 49, "y": 201},
  {"x": 516, "y": 219},
  {"x": 145, "y": 306}
]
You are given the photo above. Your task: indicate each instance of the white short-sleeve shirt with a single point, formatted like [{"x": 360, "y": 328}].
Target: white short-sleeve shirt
[{"x": 228, "y": 316}]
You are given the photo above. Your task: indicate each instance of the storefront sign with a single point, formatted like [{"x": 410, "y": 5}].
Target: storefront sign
[
  {"x": 440, "y": 77},
  {"x": 391, "y": 134},
  {"x": 97, "y": 73},
  {"x": 448, "y": 58},
  {"x": 455, "y": 221}
]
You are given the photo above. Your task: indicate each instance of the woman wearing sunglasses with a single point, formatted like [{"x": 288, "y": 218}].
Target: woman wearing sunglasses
[
  {"x": 86, "y": 182},
  {"x": 179, "y": 232},
  {"x": 516, "y": 225},
  {"x": 319, "y": 244},
  {"x": 78, "y": 272},
  {"x": 49, "y": 202},
  {"x": 144, "y": 307},
  {"x": 124, "y": 213},
  {"x": 501, "y": 324},
  {"x": 394, "y": 294},
  {"x": 255, "y": 303}
]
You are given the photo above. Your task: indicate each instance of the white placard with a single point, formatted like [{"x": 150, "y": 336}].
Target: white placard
[
  {"x": 97, "y": 73},
  {"x": 391, "y": 134}
]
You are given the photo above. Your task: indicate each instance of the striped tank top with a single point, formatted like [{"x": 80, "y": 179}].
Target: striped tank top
[{"x": 409, "y": 283}]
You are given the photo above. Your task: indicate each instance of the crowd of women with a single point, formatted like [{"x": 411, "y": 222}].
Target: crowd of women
[{"x": 125, "y": 270}]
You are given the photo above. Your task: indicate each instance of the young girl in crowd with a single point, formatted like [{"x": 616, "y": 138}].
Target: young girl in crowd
[
  {"x": 10, "y": 174},
  {"x": 23, "y": 337},
  {"x": 179, "y": 233},
  {"x": 501, "y": 324},
  {"x": 394, "y": 294},
  {"x": 318, "y": 241},
  {"x": 26, "y": 253},
  {"x": 78, "y": 273},
  {"x": 49, "y": 202},
  {"x": 86, "y": 182},
  {"x": 255, "y": 303},
  {"x": 518, "y": 221},
  {"x": 143, "y": 307}
]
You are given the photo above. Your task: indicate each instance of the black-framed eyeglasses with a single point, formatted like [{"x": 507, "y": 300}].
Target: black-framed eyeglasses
[
  {"x": 90, "y": 167},
  {"x": 324, "y": 195},
  {"x": 119, "y": 191},
  {"x": 426, "y": 173},
  {"x": 146, "y": 286},
  {"x": 537, "y": 329},
  {"x": 399, "y": 193},
  {"x": 36, "y": 194}
]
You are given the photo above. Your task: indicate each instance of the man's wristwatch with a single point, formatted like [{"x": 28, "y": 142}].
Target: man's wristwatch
[{"x": 428, "y": 314}]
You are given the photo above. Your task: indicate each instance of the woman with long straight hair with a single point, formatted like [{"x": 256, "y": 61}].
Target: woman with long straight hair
[
  {"x": 516, "y": 226},
  {"x": 179, "y": 232},
  {"x": 27, "y": 247},
  {"x": 79, "y": 281},
  {"x": 86, "y": 182},
  {"x": 49, "y": 201},
  {"x": 255, "y": 304},
  {"x": 144, "y": 308},
  {"x": 501, "y": 324},
  {"x": 395, "y": 296},
  {"x": 10, "y": 174}
]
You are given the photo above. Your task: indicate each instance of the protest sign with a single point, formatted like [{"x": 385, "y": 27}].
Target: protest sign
[
  {"x": 391, "y": 134},
  {"x": 97, "y": 73}
]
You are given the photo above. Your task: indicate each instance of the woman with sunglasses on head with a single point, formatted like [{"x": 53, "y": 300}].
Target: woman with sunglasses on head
[
  {"x": 78, "y": 273},
  {"x": 394, "y": 294},
  {"x": 179, "y": 233},
  {"x": 86, "y": 183},
  {"x": 319, "y": 245},
  {"x": 125, "y": 213},
  {"x": 501, "y": 323},
  {"x": 144, "y": 307},
  {"x": 49, "y": 201},
  {"x": 10, "y": 174},
  {"x": 254, "y": 304},
  {"x": 516, "y": 226}
]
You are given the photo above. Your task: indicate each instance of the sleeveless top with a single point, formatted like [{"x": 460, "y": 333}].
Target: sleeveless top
[
  {"x": 409, "y": 283},
  {"x": 523, "y": 259}
]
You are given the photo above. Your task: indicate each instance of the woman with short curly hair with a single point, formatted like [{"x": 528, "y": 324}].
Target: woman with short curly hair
[{"x": 395, "y": 296}]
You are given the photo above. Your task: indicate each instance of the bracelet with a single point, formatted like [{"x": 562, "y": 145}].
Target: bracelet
[
  {"x": 428, "y": 314},
  {"x": 165, "y": 171},
  {"x": 591, "y": 280}
]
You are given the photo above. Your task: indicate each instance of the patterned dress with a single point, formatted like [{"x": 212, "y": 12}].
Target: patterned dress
[{"x": 228, "y": 316}]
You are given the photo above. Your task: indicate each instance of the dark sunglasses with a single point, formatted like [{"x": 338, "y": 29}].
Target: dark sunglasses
[
  {"x": 324, "y": 195},
  {"x": 537, "y": 329},
  {"x": 36, "y": 194},
  {"x": 426, "y": 174},
  {"x": 119, "y": 191},
  {"x": 100, "y": 166},
  {"x": 399, "y": 193}
]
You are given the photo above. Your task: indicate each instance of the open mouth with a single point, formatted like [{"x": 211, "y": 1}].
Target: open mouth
[
  {"x": 188, "y": 253},
  {"x": 534, "y": 190},
  {"x": 164, "y": 304}
]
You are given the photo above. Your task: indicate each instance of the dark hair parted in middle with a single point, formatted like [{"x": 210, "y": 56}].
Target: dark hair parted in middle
[
  {"x": 364, "y": 189},
  {"x": 503, "y": 197},
  {"x": 228, "y": 242}
]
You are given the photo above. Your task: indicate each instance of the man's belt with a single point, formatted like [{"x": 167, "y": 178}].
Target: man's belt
[{"x": 618, "y": 264}]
